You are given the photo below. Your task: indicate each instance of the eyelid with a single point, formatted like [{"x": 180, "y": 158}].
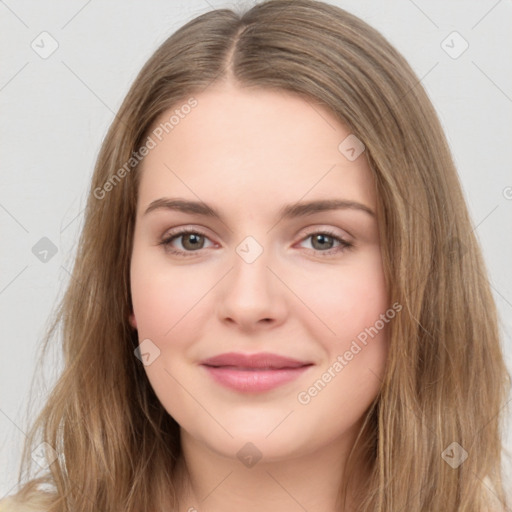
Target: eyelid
[
  {"x": 317, "y": 228},
  {"x": 334, "y": 231},
  {"x": 183, "y": 230}
]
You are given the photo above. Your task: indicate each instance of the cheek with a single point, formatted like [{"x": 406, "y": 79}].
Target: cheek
[
  {"x": 162, "y": 296},
  {"x": 353, "y": 304},
  {"x": 165, "y": 304},
  {"x": 348, "y": 298},
  {"x": 153, "y": 305}
]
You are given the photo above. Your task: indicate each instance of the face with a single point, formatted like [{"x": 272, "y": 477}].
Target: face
[{"x": 308, "y": 285}]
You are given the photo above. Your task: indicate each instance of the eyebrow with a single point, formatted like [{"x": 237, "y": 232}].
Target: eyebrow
[{"x": 290, "y": 211}]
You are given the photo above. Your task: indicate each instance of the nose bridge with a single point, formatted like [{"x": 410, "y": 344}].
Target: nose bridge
[
  {"x": 250, "y": 250},
  {"x": 251, "y": 263},
  {"x": 251, "y": 289}
]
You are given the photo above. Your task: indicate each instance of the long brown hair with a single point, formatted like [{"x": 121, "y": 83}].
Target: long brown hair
[{"x": 445, "y": 382}]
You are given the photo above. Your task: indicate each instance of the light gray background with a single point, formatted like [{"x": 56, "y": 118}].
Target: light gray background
[{"x": 56, "y": 111}]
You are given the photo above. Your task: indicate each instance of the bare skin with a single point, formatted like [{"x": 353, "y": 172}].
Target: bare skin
[{"x": 247, "y": 153}]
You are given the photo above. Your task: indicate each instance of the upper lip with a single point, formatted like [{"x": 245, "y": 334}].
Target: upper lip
[{"x": 259, "y": 360}]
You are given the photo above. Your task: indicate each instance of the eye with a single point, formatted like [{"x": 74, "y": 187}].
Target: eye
[
  {"x": 323, "y": 241},
  {"x": 193, "y": 241}
]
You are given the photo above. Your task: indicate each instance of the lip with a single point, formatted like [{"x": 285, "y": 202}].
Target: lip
[{"x": 254, "y": 372}]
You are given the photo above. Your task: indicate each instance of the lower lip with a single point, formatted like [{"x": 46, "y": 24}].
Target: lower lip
[{"x": 253, "y": 380}]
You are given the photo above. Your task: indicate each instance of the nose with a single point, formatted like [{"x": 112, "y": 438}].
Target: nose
[{"x": 252, "y": 294}]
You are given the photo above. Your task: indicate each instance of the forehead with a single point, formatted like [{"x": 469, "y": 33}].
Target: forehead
[{"x": 257, "y": 146}]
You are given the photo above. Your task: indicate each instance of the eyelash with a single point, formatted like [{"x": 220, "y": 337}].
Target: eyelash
[{"x": 166, "y": 242}]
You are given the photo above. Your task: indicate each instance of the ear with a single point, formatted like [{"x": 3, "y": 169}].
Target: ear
[{"x": 133, "y": 321}]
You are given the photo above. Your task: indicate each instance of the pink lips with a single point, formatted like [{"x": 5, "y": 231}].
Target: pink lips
[{"x": 254, "y": 372}]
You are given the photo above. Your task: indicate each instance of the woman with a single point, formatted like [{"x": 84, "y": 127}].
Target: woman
[{"x": 254, "y": 372}]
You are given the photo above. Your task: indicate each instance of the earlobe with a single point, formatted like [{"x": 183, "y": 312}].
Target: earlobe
[{"x": 133, "y": 321}]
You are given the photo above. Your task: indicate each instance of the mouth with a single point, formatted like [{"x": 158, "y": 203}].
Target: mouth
[
  {"x": 254, "y": 373},
  {"x": 261, "y": 360}
]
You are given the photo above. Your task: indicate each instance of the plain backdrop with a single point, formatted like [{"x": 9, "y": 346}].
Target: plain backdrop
[{"x": 66, "y": 67}]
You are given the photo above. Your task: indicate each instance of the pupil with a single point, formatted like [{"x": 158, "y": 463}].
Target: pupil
[
  {"x": 193, "y": 238},
  {"x": 322, "y": 239}
]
